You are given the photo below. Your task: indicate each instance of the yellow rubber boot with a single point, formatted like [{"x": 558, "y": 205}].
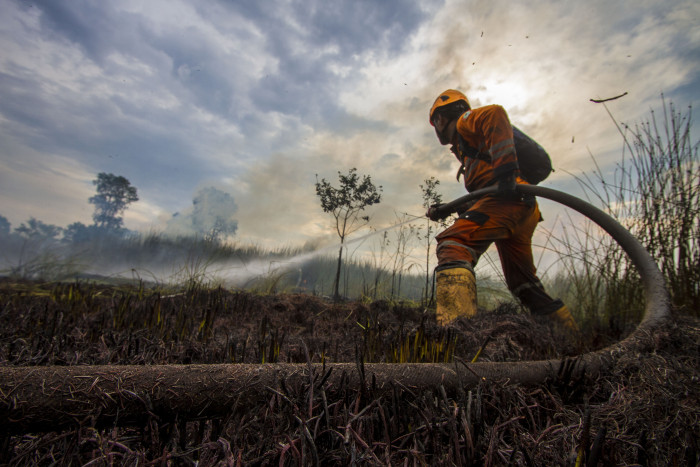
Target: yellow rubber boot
[
  {"x": 564, "y": 318},
  {"x": 456, "y": 294}
]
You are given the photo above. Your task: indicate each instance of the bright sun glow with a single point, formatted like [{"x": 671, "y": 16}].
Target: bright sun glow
[{"x": 509, "y": 94}]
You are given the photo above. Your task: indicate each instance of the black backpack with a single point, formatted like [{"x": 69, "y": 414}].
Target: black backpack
[{"x": 535, "y": 164}]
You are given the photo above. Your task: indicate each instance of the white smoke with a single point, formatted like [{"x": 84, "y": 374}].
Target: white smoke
[{"x": 210, "y": 216}]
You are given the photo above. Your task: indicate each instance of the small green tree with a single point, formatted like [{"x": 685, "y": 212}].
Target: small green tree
[
  {"x": 114, "y": 194},
  {"x": 404, "y": 236},
  {"x": 345, "y": 204},
  {"x": 430, "y": 197}
]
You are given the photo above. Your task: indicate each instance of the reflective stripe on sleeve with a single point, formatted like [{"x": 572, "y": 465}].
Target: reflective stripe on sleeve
[{"x": 502, "y": 148}]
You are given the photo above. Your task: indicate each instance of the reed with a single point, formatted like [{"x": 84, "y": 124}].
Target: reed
[{"x": 653, "y": 192}]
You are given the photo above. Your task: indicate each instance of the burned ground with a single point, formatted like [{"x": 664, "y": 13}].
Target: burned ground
[{"x": 644, "y": 411}]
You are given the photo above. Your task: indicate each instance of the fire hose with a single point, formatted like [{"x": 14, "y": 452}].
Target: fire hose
[{"x": 53, "y": 397}]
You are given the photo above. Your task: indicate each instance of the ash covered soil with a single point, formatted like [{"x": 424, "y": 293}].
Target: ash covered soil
[{"x": 646, "y": 410}]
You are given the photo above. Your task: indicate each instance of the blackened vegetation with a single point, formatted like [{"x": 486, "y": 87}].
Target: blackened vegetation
[{"x": 645, "y": 411}]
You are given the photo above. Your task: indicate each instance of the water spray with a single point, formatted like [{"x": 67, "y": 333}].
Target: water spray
[{"x": 258, "y": 268}]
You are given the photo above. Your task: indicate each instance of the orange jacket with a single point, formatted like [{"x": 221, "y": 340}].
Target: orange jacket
[{"x": 487, "y": 150}]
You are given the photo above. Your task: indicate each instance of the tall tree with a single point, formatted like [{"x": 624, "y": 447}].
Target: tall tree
[
  {"x": 345, "y": 204},
  {"x": 114, "y": 194}
]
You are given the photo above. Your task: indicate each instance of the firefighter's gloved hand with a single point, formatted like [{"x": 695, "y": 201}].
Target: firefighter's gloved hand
[
  {"x": 506, "y": 187},
  {"x": 435, "y": 213}
]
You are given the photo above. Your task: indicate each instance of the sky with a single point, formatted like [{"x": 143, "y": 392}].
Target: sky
[{"x": 259, "y": 98}]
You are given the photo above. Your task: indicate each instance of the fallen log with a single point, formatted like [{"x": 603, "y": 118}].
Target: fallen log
[{"x": 51, "y": 398}]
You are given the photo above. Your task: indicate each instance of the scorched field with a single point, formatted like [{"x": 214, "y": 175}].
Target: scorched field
[{"x": 644, "y": 410}]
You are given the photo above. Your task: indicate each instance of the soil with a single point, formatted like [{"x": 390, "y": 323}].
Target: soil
[{"x": 646, "y": 410}]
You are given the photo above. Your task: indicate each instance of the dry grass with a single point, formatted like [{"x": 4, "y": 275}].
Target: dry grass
[{"x": 645, "y": 411}]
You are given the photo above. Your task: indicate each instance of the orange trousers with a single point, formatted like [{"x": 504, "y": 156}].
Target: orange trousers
[{"x": 510, "y": 224}]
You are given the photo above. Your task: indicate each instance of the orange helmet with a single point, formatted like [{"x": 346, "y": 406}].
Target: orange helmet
[{"x": 446, "y": 98}]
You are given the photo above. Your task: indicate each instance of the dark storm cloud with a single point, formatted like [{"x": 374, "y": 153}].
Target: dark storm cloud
[
  {"x": 20, "y": 101},
  {"x": 94, "y": 26},
  {"x": 305, "y": 39},
  {"x": 333, "y": 34},
  {"x": 95, "y": 132},
  {"x": 193, "y": 60},
  {"x": 241, "y": 63},
  {"x": 354, "y": 26},
  {"x": 247, "y": 95},
  {"x": 109, "y": 123},
  {"x": 302, "y": 84}
]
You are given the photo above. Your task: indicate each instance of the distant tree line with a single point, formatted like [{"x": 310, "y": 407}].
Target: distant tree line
[
  {"x": 114, "y": 194},
  {"x": 211, "y": 216}
]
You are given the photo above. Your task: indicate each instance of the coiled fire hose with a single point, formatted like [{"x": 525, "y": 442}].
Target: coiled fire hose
[{"x": 55, "y": 397}]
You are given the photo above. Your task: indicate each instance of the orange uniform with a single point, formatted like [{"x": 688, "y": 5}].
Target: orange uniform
[
  {"x": 485, "y": 130},
  {"x": 486, "y": 152}
]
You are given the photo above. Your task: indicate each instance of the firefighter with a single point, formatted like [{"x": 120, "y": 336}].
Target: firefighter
[{"x": 506, "y": 218}]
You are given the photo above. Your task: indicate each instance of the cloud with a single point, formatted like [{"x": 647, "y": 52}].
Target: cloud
[
  {"x": 211, "y": 216},
  {"x": 44, "y": 191},
  {"x": 542, "y": 62},
  {"x": 257, "y": 99},
  {"x": 280, "y": 205}
]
